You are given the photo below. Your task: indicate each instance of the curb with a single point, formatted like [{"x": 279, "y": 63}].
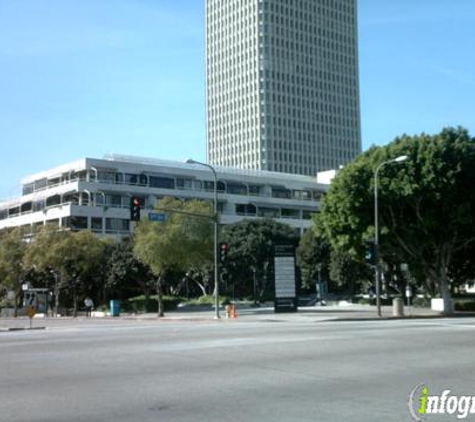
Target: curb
[
  {"x": 409, "y": 317},
  {"x": 6, "y": 330}
]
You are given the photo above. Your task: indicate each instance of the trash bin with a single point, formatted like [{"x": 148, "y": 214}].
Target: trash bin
[
  {"x": 114, "y": 308},
  {"x": 398, "y": 307}
]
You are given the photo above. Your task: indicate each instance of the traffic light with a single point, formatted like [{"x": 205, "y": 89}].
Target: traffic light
[
  {"x": 370, "y": 252},
  {"x": 135, "y": 204},
  {"x": 223, "y": 251}
]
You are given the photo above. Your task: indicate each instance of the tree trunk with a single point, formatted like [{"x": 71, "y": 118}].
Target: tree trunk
[
  {"x": 201, "y": 286},
  {"x": 75, "y": 297},
  {"x": 161, "y": 310},
  {"x": 56, "y": 298},
  {"x": 446, "y": 295},
  {"x": 439, "y": 276},
  {"x": 15, "y": 304},
  {"x": 105, "y": 295},
  {"x": 75, "y": 301},
  {"x": 17, "y": 288}
]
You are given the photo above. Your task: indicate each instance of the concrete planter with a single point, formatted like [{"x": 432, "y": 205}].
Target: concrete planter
[{"x": 437, "y": 304}]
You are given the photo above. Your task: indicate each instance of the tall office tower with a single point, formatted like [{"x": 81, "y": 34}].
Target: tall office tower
[{"x": 282, "y": 84}]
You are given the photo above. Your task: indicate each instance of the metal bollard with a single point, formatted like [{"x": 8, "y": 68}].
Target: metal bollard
[{"x": 398, "y": 307}]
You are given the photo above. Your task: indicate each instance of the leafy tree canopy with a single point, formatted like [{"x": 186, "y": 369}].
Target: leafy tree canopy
[
  {"x": 125, "y": 273},
  {"x": 426, "y": 204},
  {"x": 183, "y": 240},
  {"x": 12, "y": 270},
  {"x": 313, "y": 258},
  {"x": 251, "y": 250}
]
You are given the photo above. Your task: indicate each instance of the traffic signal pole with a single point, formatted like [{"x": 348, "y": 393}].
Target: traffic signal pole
[{"x": 216, "y": 223}]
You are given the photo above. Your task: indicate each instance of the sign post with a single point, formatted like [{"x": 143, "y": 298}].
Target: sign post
[
  {"x": 31, "y": 312},
  {"x": 285, "y": 287},
  {"x": 409, "y": 295}
]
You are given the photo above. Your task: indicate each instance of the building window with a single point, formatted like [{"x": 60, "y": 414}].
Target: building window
[
  {"x": 119, "y": 178},
  {"x": 81, "y": 175},
  {"x": 185, "y": 184},
  {"x": 290, "y": 213},
  {"x": 162, "y": 182},
  {"x": 301, "y": 194},
  {"x": 28, "y": 188},
  {"x": 26, "y": 207},
  {"x": 117, "y": 225},
  {"x": 96, "y": 224},
  {"x": 280, "y": 193},
  {"x": 113, "y": 201},
  {"x": 254, "y": 190},
  {"x": 131, "y": 179},
  {"x": 106, "y": 177},
  {"x": 237, "y": 189},
  {"x": 268, "y": 212},
  {"x": 39, "y": 205},
  {"x": 54, "y": 182},
  {"x": 317, "y": 195},
  {"x": 75, "y": 223},
  {"x": 209, "y": 186},
  {"x": 40, "y": 184},
  {"x": 53, "y": 200},
  {"x": 307, "y": 215}
]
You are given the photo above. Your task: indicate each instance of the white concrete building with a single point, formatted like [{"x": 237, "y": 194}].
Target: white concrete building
[
  {"x": 95, "y": 194},
  {"x": 282, "y": 84}
]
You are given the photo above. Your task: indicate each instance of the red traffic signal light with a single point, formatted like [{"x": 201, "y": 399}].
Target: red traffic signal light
[
  {"x": 223, "y": 251},
  {"x": 135, "y": 205}
]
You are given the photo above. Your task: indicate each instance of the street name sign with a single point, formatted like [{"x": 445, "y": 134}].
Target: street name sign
[{"x": 157, "y": 217}]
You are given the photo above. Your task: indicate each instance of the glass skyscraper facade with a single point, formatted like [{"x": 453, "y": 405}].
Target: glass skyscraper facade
[{"x": 282, "y": 84}]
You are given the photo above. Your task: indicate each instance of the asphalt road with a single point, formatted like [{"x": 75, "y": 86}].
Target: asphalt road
[{"x": 231, "y": 370}]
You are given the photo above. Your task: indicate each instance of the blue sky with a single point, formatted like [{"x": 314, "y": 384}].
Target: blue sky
[{"x": 88, "y": 77}]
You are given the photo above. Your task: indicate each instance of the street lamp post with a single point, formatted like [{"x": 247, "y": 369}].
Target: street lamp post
[
  {"x": 377, "y": 268},
  {"x": 216, "y": 222}
]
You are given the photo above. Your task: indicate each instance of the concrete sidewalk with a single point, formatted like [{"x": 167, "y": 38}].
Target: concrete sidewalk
[
  {"x": 245, "y": 313},
  {"x": 313, "y": 313}
]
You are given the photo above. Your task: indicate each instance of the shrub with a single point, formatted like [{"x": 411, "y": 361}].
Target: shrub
[
  {"x": 421, "y": 302},
  {"x": 140, "y": 304},
  {"x": 464, "y": 305},
  {"x": 207, "y": 300}
]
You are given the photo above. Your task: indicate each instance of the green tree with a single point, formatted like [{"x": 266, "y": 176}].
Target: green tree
[
  {"x": 313, "y": 258},
  {"x": 462, "y": 269},
  {"x": 182, "y": 241},
  {"x": 73, "y": 258},
  {"x": 125, "y": 273},
  {"x": 12, "y": 266},
  {"x": 348, "y": 274},
  {"x": 426, "y": 205},
  {"x": 47, "y": 253},
  {"x": 251, "y": 252},
  {"x": 85, "y": 264}
]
